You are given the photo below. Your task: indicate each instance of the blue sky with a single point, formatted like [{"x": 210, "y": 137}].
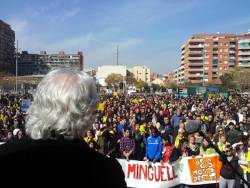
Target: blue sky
[{"x": 148, "y": 32}]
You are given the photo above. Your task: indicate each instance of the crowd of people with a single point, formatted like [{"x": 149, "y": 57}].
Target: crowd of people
[
  {"x": 153, "y": 128},
  {"x": 12, "y": 119}
]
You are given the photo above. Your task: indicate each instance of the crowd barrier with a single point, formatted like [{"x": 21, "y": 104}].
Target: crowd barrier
[{"x": 188, "y": 170}]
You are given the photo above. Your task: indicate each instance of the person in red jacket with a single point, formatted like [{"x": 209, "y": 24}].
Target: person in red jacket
[{"x": 169, "y": 152}]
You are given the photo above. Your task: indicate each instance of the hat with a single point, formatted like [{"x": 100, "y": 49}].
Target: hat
[{"x": 15, "y": 131}]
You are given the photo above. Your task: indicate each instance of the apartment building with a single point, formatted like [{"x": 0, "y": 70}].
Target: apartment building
[
  {"x": 141, "y": 73},
  {"x": 7, "y": 47},
  {"x": 63, "y": 60},
  {"x": 244, "y": 51},
  {"x": 205, "y": 57},
  {"x": 41, "y": 63},
  {"x": 179, "y": 75},
  {"x": 105, "y": 70}
]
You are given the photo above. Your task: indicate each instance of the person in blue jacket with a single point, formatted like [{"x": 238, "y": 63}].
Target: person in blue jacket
[{"x": 153, "y": 146}]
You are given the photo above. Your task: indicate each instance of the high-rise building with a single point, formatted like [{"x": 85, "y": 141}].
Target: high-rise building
[
  {"x": 105, "y": 70},
  {"x": 30, "y": 64},
  {"x": 205, "y": 57},
  {"x": 7, "y": 47},
  {"x": 179, "y": 75},
  {"x": 244, "y": 51},
  {"x": 141, "y": 73},
  {"x": 63, "y": 60}
]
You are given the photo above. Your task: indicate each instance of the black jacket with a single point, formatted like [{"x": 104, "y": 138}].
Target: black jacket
[
  {"x": 226, "y": 171},
  {"x": 57, "y": 163}
]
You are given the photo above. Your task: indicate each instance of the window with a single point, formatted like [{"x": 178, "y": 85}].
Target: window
[
  {"x": 245, "y": 44},
  {"x": 231, "y": 61}
]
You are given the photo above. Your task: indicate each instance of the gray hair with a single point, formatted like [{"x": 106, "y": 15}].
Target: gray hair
[{"x": 64, "y": 105}]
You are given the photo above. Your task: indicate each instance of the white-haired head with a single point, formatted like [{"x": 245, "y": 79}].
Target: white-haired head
[{"x": 64, "y": 105}]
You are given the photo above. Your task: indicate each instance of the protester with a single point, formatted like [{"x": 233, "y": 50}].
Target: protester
[
  {"x": 63, "y": 109},
  {"x": 206, "y": 148},
  {"x": 127, "y": 145},
  {"x": 192, "y": 146},
  {"x": 169, "y": 152},
  {"x": 222, "y": 119},
  {"x": 153, "y": 146},
  {"x": 222, "y": 142},
  {"x": 227, "y": 174},
  {"x": 241, "y": 153}
]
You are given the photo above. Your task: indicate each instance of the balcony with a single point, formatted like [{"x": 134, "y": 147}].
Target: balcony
[
  {"x": 241, "y": 58},
  {"x": 192, "y": 64},
  {"x": 232, "y": 45},
  {"x": 191, "y": 46},
  {"x": 195, "y": 69},
  {"x": 243, "y": 47},
  {"x": 232, "y": 52},
  {"x": 196, "y": 81},
  {"x": 244, "y": 52},
  {"x": 196, "y": 52},
  {"x": 195, "y": 58},
  {"x": 197, "y": 75},
  {"x": 244, "y": 64}
]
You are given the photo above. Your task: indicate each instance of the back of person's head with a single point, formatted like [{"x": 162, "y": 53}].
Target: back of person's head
[
  {"x": 166, "y": 138},
  {"x": 64, "y": 106}
]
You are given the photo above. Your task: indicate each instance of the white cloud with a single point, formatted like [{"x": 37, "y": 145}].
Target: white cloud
[
  {"x": 72, "y": 44},
  {"x": 70, "y": 13},
  {"x": 19, "y": 26},
  {"x": 106, "y": 54}
]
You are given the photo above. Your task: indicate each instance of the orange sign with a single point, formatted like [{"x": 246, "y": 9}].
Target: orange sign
[{"x": 204, "y": 169}]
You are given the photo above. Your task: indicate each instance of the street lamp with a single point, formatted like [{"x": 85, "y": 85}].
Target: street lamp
[
  {"x": 16, "y": 63},
  {"x": 203, "y": 55}
]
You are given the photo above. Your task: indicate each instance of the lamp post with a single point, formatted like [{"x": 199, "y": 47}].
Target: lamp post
[
  {"x": 203, "y": 55},
  {"x": 16, "y": 63}
]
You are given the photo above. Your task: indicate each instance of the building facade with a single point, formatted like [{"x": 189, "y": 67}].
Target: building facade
[
  {"x": 7, "y": 47},
  {"x": 105, "y": 70},
  {"x": 63, "y": 60},
  {"x": 179, "y": 75},
  {"x": 206, "y": 57},
  {"x": 35, "y": 64},
  {"x": 141, "y": 73},
  {"x": 244, "y": 51},
  {"x": 31, "y": 64}
]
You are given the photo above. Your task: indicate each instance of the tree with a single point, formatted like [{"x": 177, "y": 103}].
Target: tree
[
  {"x": 227, "y": 80},
  {"x": 169, "y": 84},
  {"x": 236, "y": 79},
  {"x": 140, "y": 85},
  {"x": 130, "y": 80},
  {"x": 113, "y": 79}
]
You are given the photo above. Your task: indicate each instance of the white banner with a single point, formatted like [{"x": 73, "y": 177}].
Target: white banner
[{"x": 188, "y": 170}]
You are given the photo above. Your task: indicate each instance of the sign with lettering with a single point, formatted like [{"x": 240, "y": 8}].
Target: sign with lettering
[
  {"x": 204, "y": 169},
  {"x": 144, "y": 174},
  {"x": 188, "y": 170},
  {"x": 25, "y": 104}
]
